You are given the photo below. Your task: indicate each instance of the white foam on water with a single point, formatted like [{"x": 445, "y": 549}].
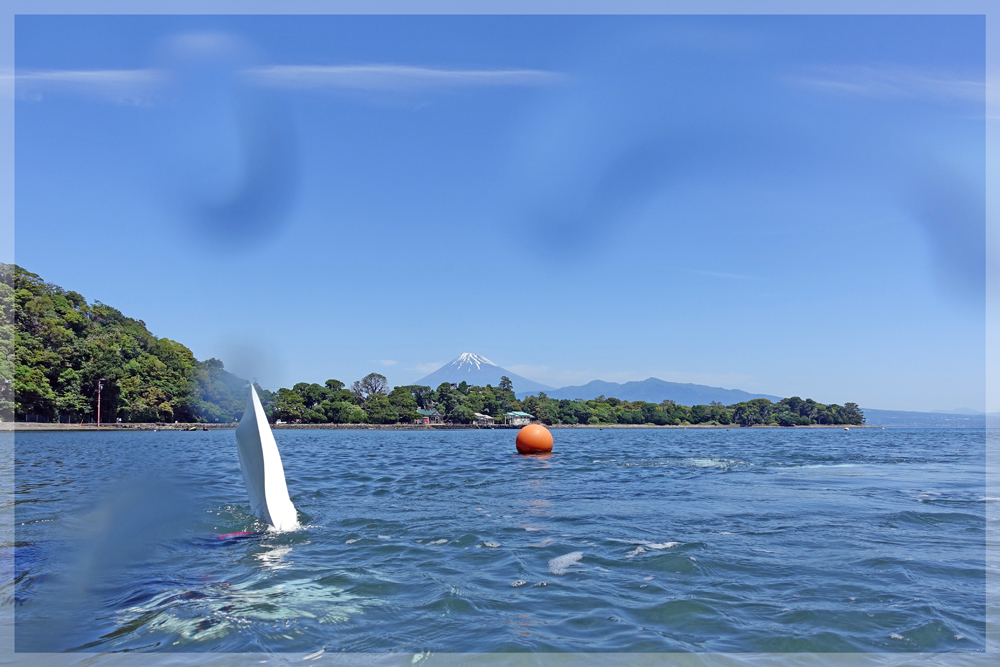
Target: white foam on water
[
  {"x": 661, "y": 545},
  {"x": 441, "y": 541},
  {"x": 543, "y": 543},
  {"x": 560, "y": 564},
  {"x": 635, "y": 552},
  {"x": 713, "y": 463},
  {"x": 895, "y": 636},
  {"x": 491, "y": 545},
  {"x": 385, "y": 537},
  {"x": 351, "y": 541}
]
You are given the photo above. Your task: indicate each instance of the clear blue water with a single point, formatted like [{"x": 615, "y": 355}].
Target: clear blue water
[{"x": 622, "y": 540}]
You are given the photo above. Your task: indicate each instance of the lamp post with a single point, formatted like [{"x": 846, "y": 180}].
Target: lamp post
[{"x": 100, "y": 386}]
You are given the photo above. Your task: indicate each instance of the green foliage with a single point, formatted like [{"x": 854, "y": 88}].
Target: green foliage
[
  {"x": 404, "y": 403},
  {"x": 7, "y": 358},
  {"x": 54, "y": 347},
  {"x": 373, "y": 384},
  {"x": 63, "y": 346},
  {"x": 288, "y": 406},
  {"x": 380, "y": 410},
  {"x": 344, "y": 412}
]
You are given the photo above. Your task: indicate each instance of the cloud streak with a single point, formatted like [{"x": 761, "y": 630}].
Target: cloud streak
[
  {"x": 125, "y": 86},
  {"x": 393, "y": 78},
  {"x": 871, "y": 81},
  {"x": 136, "y": 86}
]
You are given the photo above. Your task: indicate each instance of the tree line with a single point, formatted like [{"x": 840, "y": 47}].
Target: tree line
[
  {"x": 62, "y": 346},
  {"x": 369, "y": 401}
]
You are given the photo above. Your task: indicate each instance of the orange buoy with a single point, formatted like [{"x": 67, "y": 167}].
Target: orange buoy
[{"x": 534, "y": 439}]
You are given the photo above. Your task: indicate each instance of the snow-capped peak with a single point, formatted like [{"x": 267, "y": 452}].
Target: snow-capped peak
[{"x": 471, "y": 359}]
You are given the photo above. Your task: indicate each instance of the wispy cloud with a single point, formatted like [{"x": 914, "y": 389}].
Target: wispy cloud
[
  {"x": 400, "y": 78},
  {"x": 122, "y": 86},
  {"x": 386, "y": 362},
  {"x": 894, "y": 81},
  {"x": 136, "y": 86}
]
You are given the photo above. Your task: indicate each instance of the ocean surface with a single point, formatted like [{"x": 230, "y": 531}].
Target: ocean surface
[{"x": 645, "y": 540}]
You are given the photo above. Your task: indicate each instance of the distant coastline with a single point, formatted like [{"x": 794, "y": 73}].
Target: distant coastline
[{"x": 107, "y": 428}]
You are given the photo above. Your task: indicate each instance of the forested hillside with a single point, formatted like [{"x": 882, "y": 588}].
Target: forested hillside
[{"x": 63, "y": 346}]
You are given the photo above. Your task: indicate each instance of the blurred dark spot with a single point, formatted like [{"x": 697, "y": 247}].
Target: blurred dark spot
[
  {"x": 952, "y": 211},
  {"x": 270, "y": 174}
]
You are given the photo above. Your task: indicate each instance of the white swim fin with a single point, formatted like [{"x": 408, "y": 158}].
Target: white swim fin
[{"x": 263, "y": 473}]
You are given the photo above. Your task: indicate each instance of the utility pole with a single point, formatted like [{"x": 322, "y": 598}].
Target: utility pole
[{"x": 100, "y": 386}]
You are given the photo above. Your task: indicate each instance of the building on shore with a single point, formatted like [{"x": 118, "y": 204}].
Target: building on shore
[
  {"x": 518, "y": 418},
  {"x": 484, "y": 420},
  {"x": 429, "y": 417}
]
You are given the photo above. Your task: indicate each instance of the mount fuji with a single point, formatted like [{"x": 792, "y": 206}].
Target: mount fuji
[{"x": 477, "y": 370}]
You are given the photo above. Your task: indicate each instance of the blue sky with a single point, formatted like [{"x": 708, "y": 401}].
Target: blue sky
[{"x": 791, "y": 205}]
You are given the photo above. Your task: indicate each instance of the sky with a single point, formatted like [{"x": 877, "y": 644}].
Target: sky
[{"x": 791, "y": 205}]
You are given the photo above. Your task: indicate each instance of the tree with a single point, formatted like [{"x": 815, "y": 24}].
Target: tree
[
  {"x": 380, "y": 410},
  {"x": 505, "y": 394},
  {"x": 343, "y": 412},
  {"x": 404, "y": 403},
  {"x": 288, "y": 406},
  {"x": 422, "y": 394},
  {"x": 312, "y": 394},
  {"x": 852, "y": 414},
  {"x": 460, "y": 414},
  {"x": 373, "y": 384}
]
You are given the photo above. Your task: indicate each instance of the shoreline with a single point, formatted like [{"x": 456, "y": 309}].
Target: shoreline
[{"x": 193, "y": 427}]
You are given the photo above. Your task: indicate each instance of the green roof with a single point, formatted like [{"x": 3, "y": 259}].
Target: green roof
[
  {"x": 427, "y": 413},
  {"x": 518, "y": 413}
]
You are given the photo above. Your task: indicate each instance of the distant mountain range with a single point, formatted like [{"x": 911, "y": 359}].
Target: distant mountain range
[
  {"x": 653, "y": 390},
  {"x": 476, "y": 369}
]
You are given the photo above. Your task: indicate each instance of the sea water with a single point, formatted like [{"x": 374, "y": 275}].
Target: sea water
[{"x": 644, "y": 540}]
